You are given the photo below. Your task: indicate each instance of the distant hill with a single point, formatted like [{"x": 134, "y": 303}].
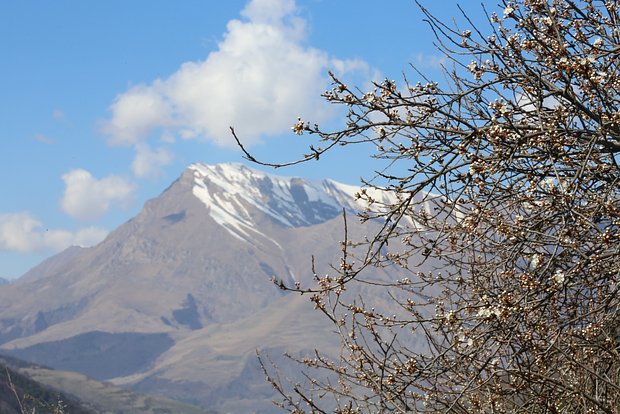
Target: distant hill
[
  {"x": 4, "y": 281},
  {"x": 20, "y": 394},
  {"x": 43, "y": 388}
]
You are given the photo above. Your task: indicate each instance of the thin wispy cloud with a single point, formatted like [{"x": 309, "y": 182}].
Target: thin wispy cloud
[
  {"x": 148, "y": 162},
  {"x": 58, "y": 114},
  {"x": 429, "y": 61},
  {"x": 44, "y": 139}
]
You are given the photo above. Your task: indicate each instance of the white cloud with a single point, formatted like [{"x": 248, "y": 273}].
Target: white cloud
[
  {"x": 22, "y": 232},
  {"x": 88, "y": 198},
  {"x": 136, "y": 113},
  {"x": 269, "y": 11},
  {"x": 147, "y": 162},
  {"x": 259, "y": 80}
]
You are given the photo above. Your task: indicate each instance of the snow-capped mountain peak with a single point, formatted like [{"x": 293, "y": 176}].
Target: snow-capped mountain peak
[{"x": 232, "y": 192}]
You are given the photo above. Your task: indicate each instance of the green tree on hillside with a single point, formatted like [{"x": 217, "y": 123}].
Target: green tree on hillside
[{"x": 506, "y": 175}]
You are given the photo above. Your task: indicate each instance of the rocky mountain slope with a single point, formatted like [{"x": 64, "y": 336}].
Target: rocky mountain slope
[{"x": 177, "y": 300}]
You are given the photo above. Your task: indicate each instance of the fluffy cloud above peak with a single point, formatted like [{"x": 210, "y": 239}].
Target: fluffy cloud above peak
[
  {"x": 259, "y": 80},
  {"x": 269, "y": 11},
  {"x": 87, "y": 198},
  {"x": 22, "y": 232},
  {"x": 135, "y": 114}
]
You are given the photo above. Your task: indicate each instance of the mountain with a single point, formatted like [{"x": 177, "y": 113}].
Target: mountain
[
  {"x": 177, "y": 300},
  {"x": 4, "y": 281}
]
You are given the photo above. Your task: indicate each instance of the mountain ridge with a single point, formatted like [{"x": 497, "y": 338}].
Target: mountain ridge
[{"x": 191, "y": 274}]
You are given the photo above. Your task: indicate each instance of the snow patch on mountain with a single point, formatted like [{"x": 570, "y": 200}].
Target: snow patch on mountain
[
  {"x": 233, "y": 192},
  {"x": 230, "y": 191}
]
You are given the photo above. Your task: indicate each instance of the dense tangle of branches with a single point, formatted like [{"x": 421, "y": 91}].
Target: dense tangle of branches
[{"x": 503, "y": 222}]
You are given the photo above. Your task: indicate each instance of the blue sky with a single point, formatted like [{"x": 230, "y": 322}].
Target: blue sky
[{"x": 104, "y": 104}]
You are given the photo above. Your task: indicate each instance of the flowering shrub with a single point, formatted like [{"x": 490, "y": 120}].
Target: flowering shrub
[{"x": 518, "y": 156}]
